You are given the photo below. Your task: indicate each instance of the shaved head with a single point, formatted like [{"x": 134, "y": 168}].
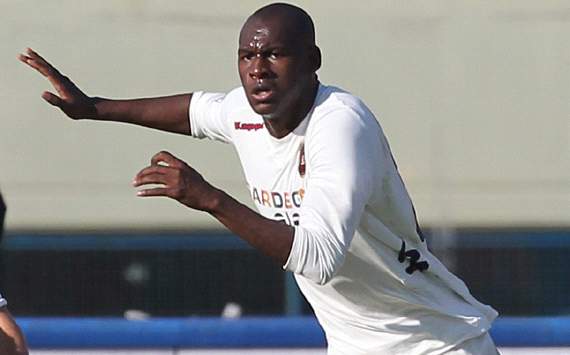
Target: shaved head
[
  {"x": 277, "y": 62},
  {"x": 295, "y": 21}
]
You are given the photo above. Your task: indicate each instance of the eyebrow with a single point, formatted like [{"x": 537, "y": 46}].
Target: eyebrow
[{"x": 267, "y": 49}]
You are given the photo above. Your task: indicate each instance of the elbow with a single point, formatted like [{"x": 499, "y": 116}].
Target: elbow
[{"x": 319, "y": 258}]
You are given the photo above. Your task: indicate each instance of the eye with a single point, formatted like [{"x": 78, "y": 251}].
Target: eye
[
  {"x": 274, "y": 55},
  {"x": 246, "y": 56}
]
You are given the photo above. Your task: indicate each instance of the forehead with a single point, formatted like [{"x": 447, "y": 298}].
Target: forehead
[{"x": 260, "y": 32}]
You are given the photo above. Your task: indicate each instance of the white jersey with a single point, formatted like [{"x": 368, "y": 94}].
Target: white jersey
[{"x": 357, "y": 254}]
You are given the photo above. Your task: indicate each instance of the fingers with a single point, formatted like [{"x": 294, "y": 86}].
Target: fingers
[
  {"x": 179, "y": 181},
  {"x": 154, "y": 174},
  {"x": 52, "y": 99},
  {"x": 157, "y": 191},
  {"x": 165, "y": 158},
  {"x": 35, "y": 61},
  {"x": 149, "y": 179},
  {"x": 61, "y": 83},
  {"x": 34, "y": 64}
]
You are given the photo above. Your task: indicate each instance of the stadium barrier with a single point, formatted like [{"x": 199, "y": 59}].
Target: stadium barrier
[
  {"x": 201, "y": 335},
  {"x": 518, "y": 272}
]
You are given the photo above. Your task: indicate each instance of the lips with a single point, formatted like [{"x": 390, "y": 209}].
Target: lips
[{"x": 262, "y": 93}]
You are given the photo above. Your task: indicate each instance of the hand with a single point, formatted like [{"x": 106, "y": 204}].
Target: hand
[
  {"x": 71, "y": 100},
  {"x": 179, "y": 182}
]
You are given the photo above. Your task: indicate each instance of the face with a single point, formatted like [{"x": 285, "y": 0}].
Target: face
[{"x": 274, "y": 69}]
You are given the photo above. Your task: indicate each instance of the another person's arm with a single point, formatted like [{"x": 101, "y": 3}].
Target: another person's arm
[
  {"x": 169, "y": 113},
  {"x": 12, "y": 340},
  {"x": 2, "y": 215}
]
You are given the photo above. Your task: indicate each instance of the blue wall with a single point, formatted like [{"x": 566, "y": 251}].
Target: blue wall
[{"x": 258, "y": 332}]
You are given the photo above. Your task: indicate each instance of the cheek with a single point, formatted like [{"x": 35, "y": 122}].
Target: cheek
[
  {"x": 242, "y": 70},
  {"x": 287, "y": 75},
  {"x": 293, "y": 80}
]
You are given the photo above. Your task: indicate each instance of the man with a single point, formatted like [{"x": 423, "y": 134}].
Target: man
[
  {"x": 2, "y": 215},
  {"x": 316, "y": 159},
  {"x": 12, "y": 340}
]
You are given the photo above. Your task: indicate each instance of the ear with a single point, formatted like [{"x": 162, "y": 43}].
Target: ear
[{"x": 315, "y": 58}]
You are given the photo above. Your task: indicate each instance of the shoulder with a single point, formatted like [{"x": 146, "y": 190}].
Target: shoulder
[
  {"x": 233, "y": 99},
  {"x": 338, "y": 109},
  {"x": 237, "y": 95},
  {"x": 236, "y": 99}
]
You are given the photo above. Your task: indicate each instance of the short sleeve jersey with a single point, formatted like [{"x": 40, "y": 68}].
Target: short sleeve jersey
[{"x": 358, "y": 255}]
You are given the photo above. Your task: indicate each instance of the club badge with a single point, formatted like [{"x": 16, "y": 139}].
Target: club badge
[{"x": 302, "y": 165}]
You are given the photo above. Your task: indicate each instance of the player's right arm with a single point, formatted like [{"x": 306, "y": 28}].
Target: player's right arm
[{"x": 168, "y": 113}]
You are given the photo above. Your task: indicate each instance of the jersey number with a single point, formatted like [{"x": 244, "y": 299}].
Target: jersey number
[
  {"x": 412, "y": 256},
  {"x": 289, "y": 219}
]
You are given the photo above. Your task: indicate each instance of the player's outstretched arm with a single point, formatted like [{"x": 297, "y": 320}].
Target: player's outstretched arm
[
  {"x": 184, "y": 184},
  {"x": 169, "y": 113}
]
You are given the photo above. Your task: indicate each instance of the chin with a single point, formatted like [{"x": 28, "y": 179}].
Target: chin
[
  {"x": 268, "y": 116},
  {"x": 265, "y": 110}
]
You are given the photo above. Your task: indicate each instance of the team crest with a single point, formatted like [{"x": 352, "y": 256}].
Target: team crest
[{"x": 302, "y": 164}]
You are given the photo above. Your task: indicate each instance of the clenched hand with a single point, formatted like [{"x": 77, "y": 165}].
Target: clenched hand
[{"x": 179, "y": 182}]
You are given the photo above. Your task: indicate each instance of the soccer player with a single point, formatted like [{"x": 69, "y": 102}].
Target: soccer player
[
  {"x": 12, "y": 340},
  {"x": 2, "y": 215},
  {"x": 332, "y": 206}
]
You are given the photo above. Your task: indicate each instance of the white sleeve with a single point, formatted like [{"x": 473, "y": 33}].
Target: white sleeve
[
  {"x": 207, "y": 117},
  {"x": 3, "y": 301},
  {"x": 343, "y": 155}
]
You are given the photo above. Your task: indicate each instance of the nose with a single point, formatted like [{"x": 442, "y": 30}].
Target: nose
[{"x": 259, "y": 69}]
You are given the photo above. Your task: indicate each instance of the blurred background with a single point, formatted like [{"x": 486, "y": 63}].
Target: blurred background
[{"x": 473, "y": 97}]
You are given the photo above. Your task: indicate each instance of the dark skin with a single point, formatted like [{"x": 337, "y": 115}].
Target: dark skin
[
  {"x": 2, "y": 214},
  {"x": 169, "y": 113},
  {"x": 277, "y": 66},
  {"x": 12, "y": 341},
  {"x": 277, "y": 70}
]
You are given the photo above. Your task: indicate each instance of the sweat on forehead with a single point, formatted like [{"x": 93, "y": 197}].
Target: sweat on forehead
[{"x": 290, "y": 19}]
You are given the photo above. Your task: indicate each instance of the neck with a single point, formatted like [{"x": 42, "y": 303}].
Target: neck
[{"x": 281, "y": 125}]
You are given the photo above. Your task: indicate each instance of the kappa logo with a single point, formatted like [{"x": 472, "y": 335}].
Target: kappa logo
[{"x": 248, "y": 126}]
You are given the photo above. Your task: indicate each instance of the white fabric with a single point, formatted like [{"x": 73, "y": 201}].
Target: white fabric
[
  {"x": 350, "y": 228},
  {"x": 3, "y": 301},
  {"x": 482, "y": 345}
]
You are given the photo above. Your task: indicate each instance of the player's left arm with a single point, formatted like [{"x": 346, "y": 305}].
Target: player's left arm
[
  {"x": 344, "y": 160},
  {"x": 184, "y": 184}
]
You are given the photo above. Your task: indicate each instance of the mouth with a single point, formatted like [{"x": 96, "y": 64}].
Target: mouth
[{"x": 262, "y": 93}]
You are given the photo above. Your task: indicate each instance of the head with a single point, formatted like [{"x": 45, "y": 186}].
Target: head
[{"x": 278, "y": 60}]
